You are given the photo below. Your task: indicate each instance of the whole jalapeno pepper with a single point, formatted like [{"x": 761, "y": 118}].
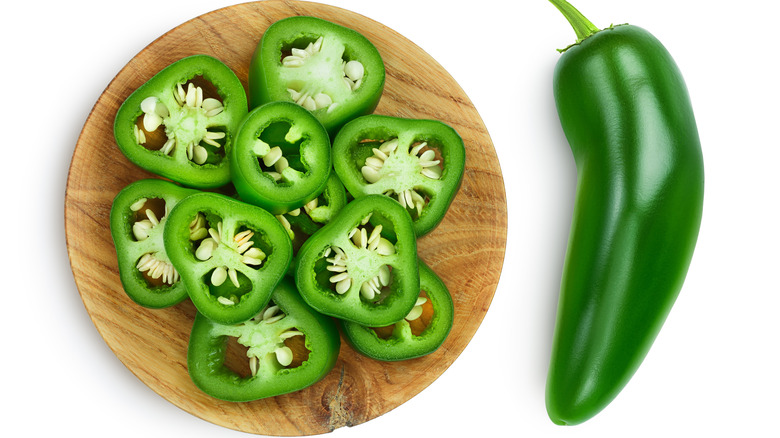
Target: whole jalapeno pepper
[
  {"x": 625, "y": 110},
  {"x": 332, "y": 71}
]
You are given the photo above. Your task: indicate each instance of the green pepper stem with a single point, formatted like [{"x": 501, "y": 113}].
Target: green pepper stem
[{"x": 582, "y": 26}]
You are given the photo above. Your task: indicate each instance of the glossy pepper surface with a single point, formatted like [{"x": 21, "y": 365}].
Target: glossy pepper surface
[
  {"x": 333, "y": 71},
  {"x": 230, "y": 255},
  {"x": 289, "y": 347},
  {"x": 419, "y": 163},
  {"x": 362, "y": 265},
  {"x": 178, "y": 123},
  {"x": 421, "y": 332},
  {"x": 138, "y": 216},
  {"x": 625, "y": 110},
  {"x": 281, "y": 157}
]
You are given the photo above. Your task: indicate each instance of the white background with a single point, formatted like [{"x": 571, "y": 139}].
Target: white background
[{"x": 713, "y": 369}]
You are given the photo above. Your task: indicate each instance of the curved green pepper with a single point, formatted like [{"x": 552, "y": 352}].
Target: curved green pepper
[
  {"x": 280, "y": 159},
  {"x": 421, "y": 332},
  {"x": 625, "y": 111},
  {"x": 418, "y": 162},
  {"x": 229, "y": 254},
  {"x": 332, "y": 71},
  {"x": 275, "y": 365},
  {"x": 362, "y": 265},
  {"x": 138, "y": 216},
  {"x": 178, "y": 123}
]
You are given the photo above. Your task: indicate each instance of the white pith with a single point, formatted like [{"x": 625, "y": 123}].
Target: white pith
[
  {"x": 240, "y": 245},
  {"x": 315, "y": 56},
  {"x": 389, "y": 161},
  {"x": 184, "y": 124}
]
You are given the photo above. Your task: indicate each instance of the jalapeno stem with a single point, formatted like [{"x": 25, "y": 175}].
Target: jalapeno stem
[{"x": 583, "y": 28}]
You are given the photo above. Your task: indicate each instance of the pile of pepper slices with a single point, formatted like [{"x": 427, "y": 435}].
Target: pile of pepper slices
[{"x": 322, "y": 226}]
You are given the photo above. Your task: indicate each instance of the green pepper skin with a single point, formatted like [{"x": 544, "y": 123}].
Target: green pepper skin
[
  {"x": 176, "y": 165},
  {"x": 269, "y": 81},
  {"x": 208, "y": 347},
  {"x": 312, "y": 273},
  {"x": 625, "y": 110},
  {"x": 403, "y": 344},
  {"x": 255, "y": 283},
  {"x": 302, "y": 140},
  {"x": 129, "y": 249},
  {"x": 351, "y": 149}
]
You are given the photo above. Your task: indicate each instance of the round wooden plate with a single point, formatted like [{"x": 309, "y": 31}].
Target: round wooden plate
[{"x": 466, "y": 250}]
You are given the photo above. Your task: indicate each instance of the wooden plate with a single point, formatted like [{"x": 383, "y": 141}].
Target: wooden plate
[{"x": 466, "y": 250}]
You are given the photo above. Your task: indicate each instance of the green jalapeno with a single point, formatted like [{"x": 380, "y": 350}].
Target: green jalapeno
[
  {"x": 421, "y": 332},
  {"x": 289, "y": 347},
  {"x": 362, "y": 265},
  {"x": 229, "y": 254},
  {"x": 138, "y": 217},
  {"x": 280, "y": 159},
  {"x": 178, "y": 123},
  {"x": 334, "y": 72},
  {"x": 625, "y": 110},
  {"x": 419, "y": 163}
]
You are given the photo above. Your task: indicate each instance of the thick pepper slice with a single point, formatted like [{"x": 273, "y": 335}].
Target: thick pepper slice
[
  {"x": 419, "y": 163},
  {"x": 138, "y": 217},
  {"x": 229, "y": 254},
  {"x": 289, "y": 347},
  {"x": 333, "y": 71},
  {"x": 362, "y": 265},
  {"x": 178, "y": 123},
  {"x": 626, "y": 113},
  {"x": 281, "y": 158},
  {"x": 421, "y": 332}
]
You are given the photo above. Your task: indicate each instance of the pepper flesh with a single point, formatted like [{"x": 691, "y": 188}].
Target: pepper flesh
[
  {"x": 403, "y": 343},
  {"x": 137, "y": 233},
  {"x": 420, "y": 163},
  {"x": 625, "y": 110},
  {"x": 230, "y": 255},
  {"x": 264, "y": 335},
  {"x": 198, "y": 121},
  {"x": 316, "y": 80},
  {"x": 281, "y": 158}
]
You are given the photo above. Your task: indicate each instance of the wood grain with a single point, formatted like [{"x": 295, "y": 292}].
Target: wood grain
[{"x": 466, "y": 250}]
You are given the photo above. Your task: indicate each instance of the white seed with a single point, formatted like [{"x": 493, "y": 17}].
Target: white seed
[
  {"x": 420, "y": 301},
  {"x": 336, "y": 268},
  {"x": 200, "y": 155},
  {"x": 417, "y": 148},
  {"x": 284, "y": 356},
  {"x": 218, "y": 276},
  {"x": 389, "y": 146},
  {"x": 343, "y": 286},
  {"x": 290, "y": 334},
  {"x": 356, "y": 85},
  {"x": 135, "y": 206},
  {"x": 151, "y": 121},
  {"x": 198, "y": 97},
  {"x": 322, "y": 100},
  {"x": 432, "y": 172},
  {"x": 374, "y": 162},
  {"x": 253, "y": 365},
  {"x": 141, "y": 230},
  {"x": 205, "y": 249},
  {"x": 148, "y": 104},
  {"x": 243, "y": 237},
  {"x": 385, "y": 247},
  {"x": 408, "y": 198},
  {"x": 327, "y": 252},
  {"x": 338, "y": 277},
  {"x": 352, "y": 232},
  {"x": 354, "y": 70},
  {"x": 190, "y": 150},
  {"x": 225, "y": 301},
  {"x": 198, "y": 228},
  {"x": 210, "y": 104},
  {"x": 414, "y": 313},
  {"x": 309, "y": 104},
  {"x": 370, "y": 174},
  {"x": 292, "y": 61},
  {"x": 233, "y": 275},
  {"x": 428, "y": 155},
  {"x": 180, "y": 94},
  {"x": 192, "y": 95},
  {"x": 348, "y": 83},
  {"x": 317, "y": 46},
  {"x": 368, "y": 291},
  {"x": 152, "y": 217},
  {"x": 270, "y": 312},
  {"x": 272, "y": 156},
  {"x": 168, "y": 146},
  {"x": 255, "y": 253},
  {"x": 311, "y": 205},
  {"x": 384, "y": 275},
  {"x": 294, "y": 213},
  {"x": 380, "y": 154}
]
